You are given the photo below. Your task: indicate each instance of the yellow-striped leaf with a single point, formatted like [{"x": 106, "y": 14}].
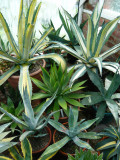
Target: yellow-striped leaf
[
  {"x": 106, "y": 145},
  {"x": 27, "y": 41},
  {"x": 36, "y": 46},
  {"x": 7, "y": 74},
  {"x": 24, "y": 80},
  {"x": 31, "y": 11},
  {"x": 4, "y": 158},
  {"x": 56, "y": 57},
  {"x": 9, "y": 35},
  {"x": 26, "y": 149},
  {"x": 36, "y": 13}
]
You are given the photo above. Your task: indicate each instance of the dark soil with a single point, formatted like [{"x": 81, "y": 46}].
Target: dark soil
[
  {"x": 4, "y": 66},
  {"x": 70, "y": 147},
  {"x": 38, "y": 143}
]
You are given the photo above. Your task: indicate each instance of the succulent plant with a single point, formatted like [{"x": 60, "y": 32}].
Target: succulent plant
[
  {"x": 16, "y": 111},
  {"x": 5, "y": 143},
  {"x": 110, "y": 146},
  {"x": 85, "y": 155},
  {"x": 89, "y": 50},
  {"x": 57, "y": 81},
  {"x": 16, "y": 155},
  {"x": 105, "y": 97},
  {"x": 32, "y": 124},
  {"x": 74, "y": 132}
]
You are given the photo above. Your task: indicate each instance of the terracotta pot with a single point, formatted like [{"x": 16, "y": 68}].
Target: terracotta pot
[
  {"x": 64, "y": 153},
  {"x": 62, "y": 119},
  {"x": 50, "y": 138},
  {"x": 13, "y": 80}
]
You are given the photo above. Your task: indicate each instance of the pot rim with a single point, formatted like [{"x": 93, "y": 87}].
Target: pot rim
[
  {"x": 34, "y": 73},
  {"x": 50, "y": 138}
]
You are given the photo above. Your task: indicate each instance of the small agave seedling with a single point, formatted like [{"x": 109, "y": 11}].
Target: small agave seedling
[
  {"x": 26, "y": 151},
  {"x": 85, "y": 155},
  {"x": 57, "y": 82},
  {"x": 88, "y": 52},
  {"x": 74, "y": 132},
  {"x": 111, "y": 145},
  {"x": 105, "y": 97},
  {"x": 5, "y": 143}
]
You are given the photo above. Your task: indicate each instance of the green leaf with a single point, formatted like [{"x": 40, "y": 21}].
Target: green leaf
[
  {"x": 77, "y": 32},
  {"x": 113, "y": 86},
  {"x": 105, "y": 33},
  {"x": 110, "y": 51},
  {"x": 99, "y": 63},
  {"x": 73, "y": 102},
  {"x": 58, "y": 126},
  {"x": 89, "y": 135},
  {"x": 40, "y": 96},
  {"x": 81, "y": 143},
  {"x": 62, "y": 102},
  {"x": 56, "y": 108},
  {"x": 94, "y": 98},
  {"x": 78, "y": 73},
  {"x": 113, "y": 107},
  {"x": 40, "y": 42},
  {"x": 44, "y": 107},
  {"x": 85, "y": 125},
  {"x": 26, "y": 149},
  {"x": 39, "y": 84},
  {"x": 13, "y": 117},
  {"x": 7, "y": 74},
  {"x": 9, "y": 35},
  {"x": 57, "y": 58},
  {"x": 54, "y": 147},
  {"x": 101, "y": 111},
  {"x": 96, "y": 80}
]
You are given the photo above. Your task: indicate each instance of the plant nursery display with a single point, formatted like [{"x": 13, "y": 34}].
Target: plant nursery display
[{"x": 36, "y": 132}]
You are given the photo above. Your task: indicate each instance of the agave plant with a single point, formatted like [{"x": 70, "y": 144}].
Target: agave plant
[
  {"x": 89, "y": 50},
  {"x": 16, "y": 111},
  {"x": 85, "y": 155},
  {"x": 74, "y": 132},
  {"x": 26, "y": 152},
  {"x": 57, "y": 82},
  {"x": 5, "y": 143},
  {"x": 110, "y": 146},
  {"x": 106, "y": 97},
  {"x": 24, "y": 54},
  {"x": 32, "y": 124}
]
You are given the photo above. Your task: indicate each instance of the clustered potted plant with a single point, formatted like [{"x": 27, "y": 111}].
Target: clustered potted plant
[{"x": 60, "y": 89}]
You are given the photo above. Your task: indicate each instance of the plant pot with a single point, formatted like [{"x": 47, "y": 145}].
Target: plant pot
[
  {"x": 62, "y": 152},
  {"x": 34, "y": 141},
  {"x": 13, "y": 80},
  {"x": 62, "y": 119}
]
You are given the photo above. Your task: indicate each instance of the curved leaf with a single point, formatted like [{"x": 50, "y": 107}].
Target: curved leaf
[
  {"x": 9, "y": 35},
  {"x": 7, "y": 74},
  {"x": 57, "y": 58}
]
